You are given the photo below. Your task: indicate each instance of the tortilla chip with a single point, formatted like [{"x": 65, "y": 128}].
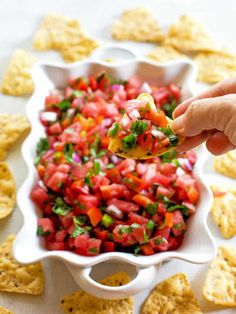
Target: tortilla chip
[
  {"x": 165, "y": 53},
  {"x": 17, "y": 80},
  {"x": 28, "y": 279},
  {"x": 188, "y": 35},
  {"x": 137, "y": 24},
  {"x": 5, "y": 311},
  {"x": 226, "y": 164},
  {"x": 214, "y": 67},
  {"x": 172, "y": 295},
  {"x": 224, "y": 209},
  {"x": 220, "y": 283},
  {"x": 12, "y": 127},
  {"x": 7, "y": 191},
  {"x": 57, "y": 32},
  {"x": 82, "y": 303},
  {"x": 79, "y": 51}
]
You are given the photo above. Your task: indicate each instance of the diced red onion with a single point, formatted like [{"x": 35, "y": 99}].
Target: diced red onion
[
  {"x": 115, "y": 159},
  {"x": 125, "y": 121},
  {"x": 116, "y": 87},
  {"x": 42, "y": 185},
  {"x": 106, "y": 123},
  {"x": 70, "y": 112},
  {"x": 180, "y": 171},
  {"x": 76, "y": 157},
  {"x": 49, "y": 116},
  {"x": 188, "y": 165},
  {"x": 115, "y": 211},
  {"x": 158, "y": 134},
  {"x": 146, "y": 88},
  {"x": 134, "y": 114}
]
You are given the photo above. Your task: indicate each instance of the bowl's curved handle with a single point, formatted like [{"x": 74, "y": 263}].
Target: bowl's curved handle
[
  {"x": 113, "y": 53},
  {"x": 144, "y": 278}
]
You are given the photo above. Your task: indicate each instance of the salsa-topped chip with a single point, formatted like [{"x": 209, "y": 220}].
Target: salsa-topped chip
[
  {"x": 81, "y": 302},
  {"x": 143, "y": 131}
]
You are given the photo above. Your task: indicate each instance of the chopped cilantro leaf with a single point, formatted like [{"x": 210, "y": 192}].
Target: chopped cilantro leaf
[
  {"x": 129, "y": 141},
  {"x": 150, "y": 225},
  {"x": 152, "y": 208},
  {"x": 110, "y": 166},
  {"x": 63, "y": 105},
  {"x": 41, "y": 232},
  {"x": 113, "y": 129},
  {"x": 138, "y": 127},
  {"x": 80, "y": 230},
  {"x": 60, "y": 207},
  {"x": 42, "y": 146}
]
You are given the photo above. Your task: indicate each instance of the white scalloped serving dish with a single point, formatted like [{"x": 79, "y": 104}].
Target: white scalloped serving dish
[{"x": 198, "y": 245}]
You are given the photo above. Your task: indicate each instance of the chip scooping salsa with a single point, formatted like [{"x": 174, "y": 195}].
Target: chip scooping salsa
[{"x": 92, "y": 201}]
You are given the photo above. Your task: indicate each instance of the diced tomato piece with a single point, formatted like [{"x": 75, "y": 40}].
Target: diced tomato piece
[
  {"x": 175, "y": 91},
  {"x": 50, "y": 170},
  {"x": 95, "y": 215},
  {"x": 145, "y": 141},
  {"x": 190, "y": 206},
  {"x": 134, "y": 183},
  {"x": 55, "y": 246},
  {"x": 162, "y": 180},
  {"x": 162, "y": 96},
  {"x": 101, "y": 234},
  {"x": 118, "y": 235},
  {"x": 139, "y": 234},
  {"x": 63, "y": 168},
  {"x": 147, "y": 249},
  {"x": 79, "y": 172},
  {"x": 39, "y": 196},
  {"x": 179, "y": 225},
  {"x": 167, "y": 192},
  {"x": 93, "y": 82},
  {"x": 135, "y": 218},
  {"x": 41, "y": 170},
  {"x": 108, "y": 246},
  {"x": 142, "y": 200},
  {"x": 124, "y": 205},
  {"x": 67, "y": 220},
  {"x": 168, "y": 168},
  {"x": 93, "y": 247},
  {"x": 51, "y": 100},
  {"x": 161, "y": 209},
  {"x": 87, "y": 201},
  {"x": 46, "y": 225},
  {"x": 126, "y": 166},
  {"x": 56, "y": 181},
  {"x": 55, "y": 128},
  {"x": 163, "y": 232},
  {"x": 174, "y": 242},
  {"x": 158, "y": 118},
  {"x": 114, "y": 175},
  {"x": 60, "y": 235},
  {"x": 159, "y": 243},
  {"x": 113, "y": 190}
]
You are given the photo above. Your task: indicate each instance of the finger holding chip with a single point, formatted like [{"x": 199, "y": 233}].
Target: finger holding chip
[{"x": 143, "y": 132}]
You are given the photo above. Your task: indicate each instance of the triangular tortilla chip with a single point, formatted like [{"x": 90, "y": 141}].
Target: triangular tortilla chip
[
  {"x": 57, "y": 32},
  {"x": 214, "y": 67},
  {"x": 7, "y": 191},
  {"x": 165, "y": 53},
  {"x": 17, "y": 80},
  {"x": 5, "y": 311},
  {"x": 82, "y": 303},
  {"x": 220, "y": 283},
  {"x": 79, "y": 51},
  {"x": 189, "y": 36},
  {"x": 224, "y": 209},
  {"x": 226, "y": 164},
  {"x": 172, "y": 295},
  {"x": 137, "y": 24},
  {"x": 12, "y": 127},
  {"x": 28, "y": 279},
  {"x": 116, "y": 145}
]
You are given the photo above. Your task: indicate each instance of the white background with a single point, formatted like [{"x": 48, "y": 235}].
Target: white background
[{"x": 18, "y": 22}]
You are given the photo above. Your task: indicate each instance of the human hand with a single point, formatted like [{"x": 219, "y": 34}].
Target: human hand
[{"x": 209, "y": 117}]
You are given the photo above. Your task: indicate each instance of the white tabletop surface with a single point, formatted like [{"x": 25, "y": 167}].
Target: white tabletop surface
[{"x": 18, "y": 22}]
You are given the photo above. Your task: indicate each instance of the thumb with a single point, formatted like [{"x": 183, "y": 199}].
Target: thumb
[{"x": 207, "y": 114}]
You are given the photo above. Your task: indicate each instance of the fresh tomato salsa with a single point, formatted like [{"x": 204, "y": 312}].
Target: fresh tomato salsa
[{"x": 91, "y": 201}]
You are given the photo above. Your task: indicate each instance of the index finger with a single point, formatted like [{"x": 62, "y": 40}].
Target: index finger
[{"x": 222, "y": 88}]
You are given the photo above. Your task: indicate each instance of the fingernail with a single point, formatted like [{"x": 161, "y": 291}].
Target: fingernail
[{"x": 177, "y": 124}]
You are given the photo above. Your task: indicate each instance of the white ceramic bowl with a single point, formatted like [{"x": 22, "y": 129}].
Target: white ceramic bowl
[{"x": 197, "y": 247}]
